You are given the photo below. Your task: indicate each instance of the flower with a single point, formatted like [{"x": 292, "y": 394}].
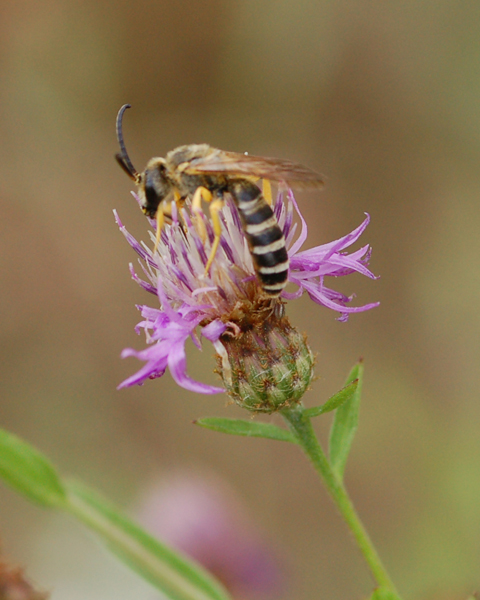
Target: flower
[
  {"x": 222, "y": 304},
  {"x": 198, "y": 513}
]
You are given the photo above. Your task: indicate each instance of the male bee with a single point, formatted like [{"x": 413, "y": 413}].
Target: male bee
[{"x": 200, "y": 172}]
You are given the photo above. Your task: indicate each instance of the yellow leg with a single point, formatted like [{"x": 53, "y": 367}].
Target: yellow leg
[
  {"x": 267, "y": 191},
  {"x": 160, "y": 218},
  {"x": 215, "y": 208},
  {"x": 200, "y": 193}
]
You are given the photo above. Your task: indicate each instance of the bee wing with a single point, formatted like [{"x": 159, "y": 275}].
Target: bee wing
[{"x": 221, "y": 162}]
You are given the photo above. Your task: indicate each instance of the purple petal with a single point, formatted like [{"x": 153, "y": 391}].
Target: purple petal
[
  {"x": 323, "y": 251},
  {"x": 143, "y": 284},
  {"x": 177, "y": 364},
  {"x": 304, "y": 232},
  {"x": 321, "y": 296},
  {"x": 169, "y": 337},
  {"x": 155, "y": 367},
  {"x": 293, "y": 295},
  {"x": 214, "y": 330}
]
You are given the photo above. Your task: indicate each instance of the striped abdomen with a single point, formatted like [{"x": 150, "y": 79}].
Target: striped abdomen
[{"x": 264, "y": 236}]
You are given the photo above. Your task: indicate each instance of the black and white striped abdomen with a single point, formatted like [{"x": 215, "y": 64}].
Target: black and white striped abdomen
[{"x": 264, "y": 236}]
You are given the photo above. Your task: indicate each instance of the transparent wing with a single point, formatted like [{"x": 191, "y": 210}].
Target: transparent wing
[{"x": 220, "y": 162}]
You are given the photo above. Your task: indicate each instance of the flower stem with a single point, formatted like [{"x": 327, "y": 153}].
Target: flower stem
[
  {"x": 174, "y": 575},
  {"x": 302, "y": 428}
]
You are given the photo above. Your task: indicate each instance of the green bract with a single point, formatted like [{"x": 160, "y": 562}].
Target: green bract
[{"x": 270, "y": 365}]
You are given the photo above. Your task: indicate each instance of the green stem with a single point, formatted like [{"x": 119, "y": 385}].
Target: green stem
[
  {"x": 138, "y": 556},
  {"x": 302, "y": 428}
]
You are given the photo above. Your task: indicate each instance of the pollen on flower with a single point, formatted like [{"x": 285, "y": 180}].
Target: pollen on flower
[{"x": 264, "y": 362}]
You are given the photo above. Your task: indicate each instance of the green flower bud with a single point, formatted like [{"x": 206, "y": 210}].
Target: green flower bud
[{"x": 267, "y": 366}]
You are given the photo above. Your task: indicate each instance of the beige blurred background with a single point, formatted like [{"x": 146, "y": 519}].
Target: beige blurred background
[{"x": 384, "y": 99}]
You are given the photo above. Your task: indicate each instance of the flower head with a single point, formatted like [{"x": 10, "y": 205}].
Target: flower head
[{"x": 227, "y": 302}]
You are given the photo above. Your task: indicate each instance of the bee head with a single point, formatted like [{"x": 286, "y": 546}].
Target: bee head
[{"x": 154, "y": 186}]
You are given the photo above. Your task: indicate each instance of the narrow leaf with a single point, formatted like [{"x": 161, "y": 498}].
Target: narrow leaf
[
  {"x": 334, "y": 402},
  {"x": 176, "y": 576},
  {"x": 383, "y": 593},
  {"x": 345, "y": 424},
  {"x": 29, "y": 472},
  {"x": 247, "y": 428}
]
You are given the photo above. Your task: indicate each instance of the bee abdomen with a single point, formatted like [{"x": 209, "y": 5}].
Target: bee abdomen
[{"x": 264, "y": 236}]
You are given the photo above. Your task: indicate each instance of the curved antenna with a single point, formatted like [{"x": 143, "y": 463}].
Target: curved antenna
[{"x": 122, "y": 157}]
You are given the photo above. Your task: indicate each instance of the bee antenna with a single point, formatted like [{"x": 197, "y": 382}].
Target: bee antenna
[{"x": 122, "y": 157}]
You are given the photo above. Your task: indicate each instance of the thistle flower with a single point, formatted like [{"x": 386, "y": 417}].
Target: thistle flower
[{"x": 227, "y": 307}]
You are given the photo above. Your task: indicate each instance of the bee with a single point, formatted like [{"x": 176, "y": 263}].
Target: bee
[{"x": 201, "y": 172}]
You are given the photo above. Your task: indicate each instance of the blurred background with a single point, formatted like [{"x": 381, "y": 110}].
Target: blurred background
[{"x": 383, "y": 98}]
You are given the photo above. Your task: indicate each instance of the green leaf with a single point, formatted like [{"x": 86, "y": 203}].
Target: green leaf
[
  {"x": 345, "y": 424},
  {"x": 175, "y": 575},
  {"x": 29, "y": 472},
  {"x": 383, "y": 593},
  {"x": 334, "y": 402},
  {"x": 248, "y": 428}
]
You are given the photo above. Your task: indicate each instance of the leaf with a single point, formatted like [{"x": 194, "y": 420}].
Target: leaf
[
  {"x": 176, "y": 576},
  {"x": 247, "y": 428},
  {"x": 345, "y": 424},
  {"x": 29, "y": 472},
  {"x": 383, "y": 593},
  {"x": 334, "y": 402}
]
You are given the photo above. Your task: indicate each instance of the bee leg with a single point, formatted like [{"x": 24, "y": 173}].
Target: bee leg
[
  {"x": 177, "y": 199},
  {"x": 215, "y": 207},
  {"x": 160, "y": 219},
  {"x": 200, "y": 193},
  {"x": 267, "y": 191}
]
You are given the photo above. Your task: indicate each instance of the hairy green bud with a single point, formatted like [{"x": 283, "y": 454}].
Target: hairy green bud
[{"x": 267, "y": 365}]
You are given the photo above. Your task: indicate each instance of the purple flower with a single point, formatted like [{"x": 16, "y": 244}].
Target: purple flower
[
  {"x": 199, "y": 514},
  {"x": 193, "y": 304}
]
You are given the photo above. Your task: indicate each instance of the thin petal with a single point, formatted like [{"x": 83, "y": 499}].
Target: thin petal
[
  {"x": 321, "y": 297},
  {"x": 155, "y": 366},
  {"x": 177, "y": 364},
  {"x": 214, "y": 330},
  {"x": 304, "y": 231},
  {"x": 323, "y": 251}
]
